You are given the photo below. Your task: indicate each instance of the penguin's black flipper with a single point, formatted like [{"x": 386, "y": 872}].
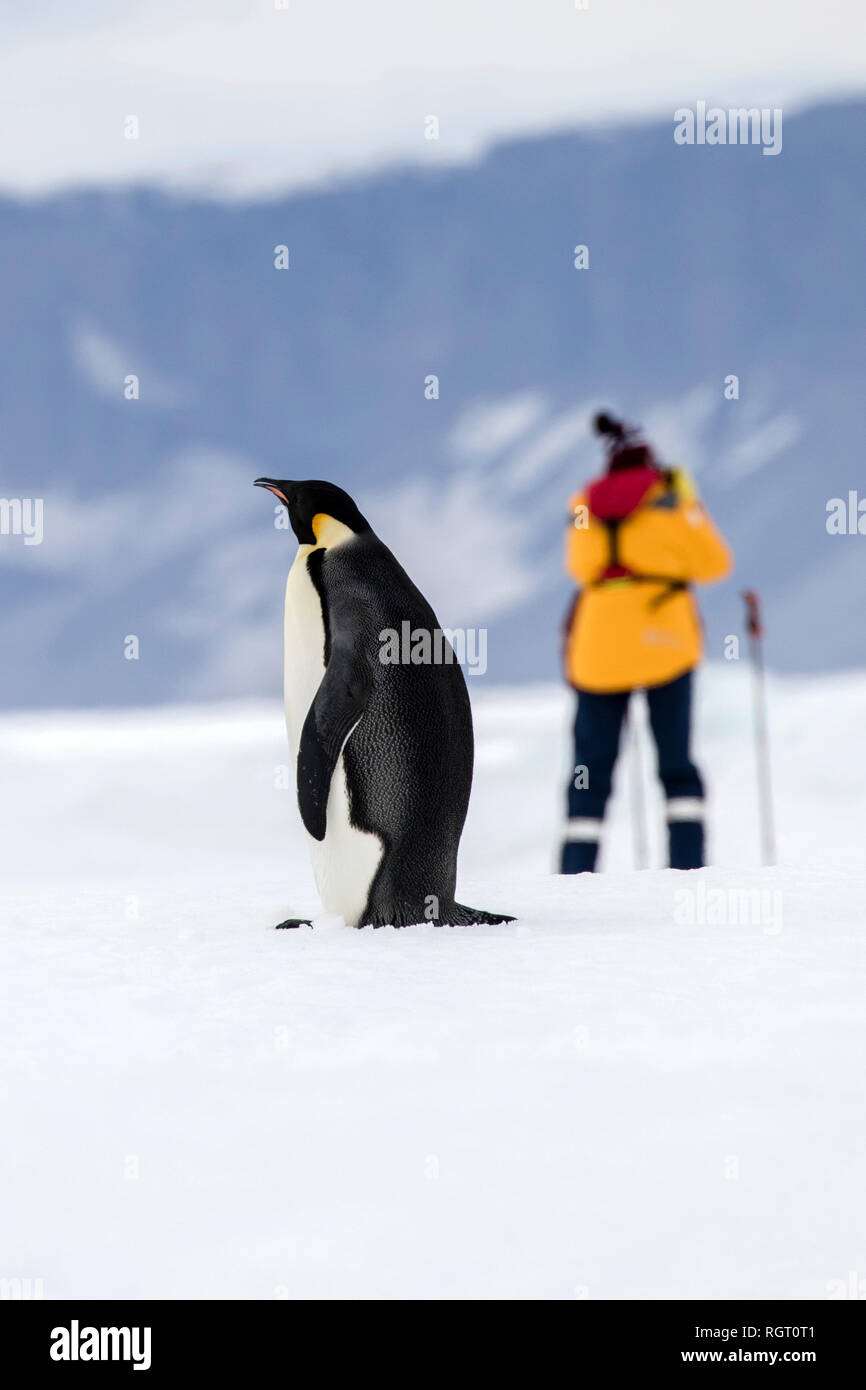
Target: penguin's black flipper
[{"x": 338, "y": 705}]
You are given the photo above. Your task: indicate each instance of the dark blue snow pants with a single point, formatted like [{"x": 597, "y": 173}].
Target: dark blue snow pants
[{"x": 597, "y": 728}]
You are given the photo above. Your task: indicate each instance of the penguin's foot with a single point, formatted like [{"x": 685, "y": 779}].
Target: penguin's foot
[
  {"x": 293, "y": 922},
  {"x": 461, "y": 916},
  {"x": 449, "y": 915}
]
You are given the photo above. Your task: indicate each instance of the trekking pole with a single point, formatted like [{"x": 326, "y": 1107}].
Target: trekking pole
[
  {"x": 636, "y": 795},
  {"x": 755, "y": 629}
]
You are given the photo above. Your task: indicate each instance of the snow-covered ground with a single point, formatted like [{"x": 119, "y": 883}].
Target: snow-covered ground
[{"x": 650, "y": 1086}]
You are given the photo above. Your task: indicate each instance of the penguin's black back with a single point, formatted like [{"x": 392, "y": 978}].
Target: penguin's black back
[{"x": 408, "y": 761}]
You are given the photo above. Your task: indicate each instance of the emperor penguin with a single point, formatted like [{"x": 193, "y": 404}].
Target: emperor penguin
[{"x": 383, "y": 748}]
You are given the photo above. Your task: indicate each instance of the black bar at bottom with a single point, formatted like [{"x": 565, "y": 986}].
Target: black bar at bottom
[{"x": 156, "y": 1339}]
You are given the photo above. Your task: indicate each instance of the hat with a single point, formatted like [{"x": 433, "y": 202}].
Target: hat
[{"x": 624, "y": 444}]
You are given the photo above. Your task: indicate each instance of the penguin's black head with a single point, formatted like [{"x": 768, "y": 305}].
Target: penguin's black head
[{"x": 312, "y": 504}]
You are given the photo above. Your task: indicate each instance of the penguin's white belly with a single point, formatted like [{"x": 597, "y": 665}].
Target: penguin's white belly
[{"x": 346, "y": 861}]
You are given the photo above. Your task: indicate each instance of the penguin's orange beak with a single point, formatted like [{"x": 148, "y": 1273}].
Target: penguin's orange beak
[{"x": 272, "y": 487}]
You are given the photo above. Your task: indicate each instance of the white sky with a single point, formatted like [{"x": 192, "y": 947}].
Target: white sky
[{"x": 240, "y": 96}]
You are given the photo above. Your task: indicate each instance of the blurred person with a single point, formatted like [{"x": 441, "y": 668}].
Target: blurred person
[{"x": 638, "y": 539}]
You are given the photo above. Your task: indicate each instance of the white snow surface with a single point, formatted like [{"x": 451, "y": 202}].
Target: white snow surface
[{"x": 601, "y": 1100}]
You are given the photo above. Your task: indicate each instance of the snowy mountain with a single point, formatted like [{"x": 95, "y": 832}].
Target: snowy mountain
[
  {"x": 703, "y": 263},
  {"x": 649, "y": 1086}
]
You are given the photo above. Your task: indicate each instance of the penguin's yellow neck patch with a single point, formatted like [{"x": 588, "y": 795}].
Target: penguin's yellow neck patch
[{"x": 329, "y": 532}]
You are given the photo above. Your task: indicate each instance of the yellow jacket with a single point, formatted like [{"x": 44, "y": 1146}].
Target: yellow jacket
[{"x": 626, "y": 631}]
